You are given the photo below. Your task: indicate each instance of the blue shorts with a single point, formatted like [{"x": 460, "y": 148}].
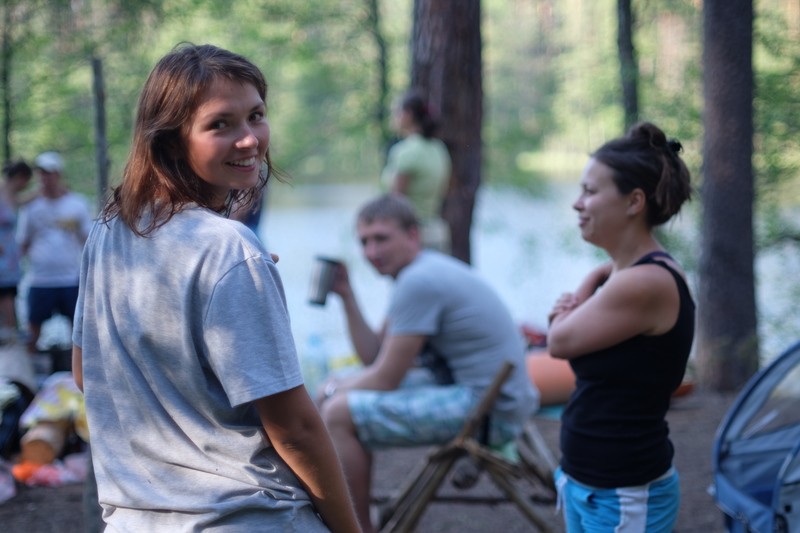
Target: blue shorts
[
  {"x": 43, "y": 302},
  {"x": 418, "y": 413},
  {"x": 650, "y": 508}
]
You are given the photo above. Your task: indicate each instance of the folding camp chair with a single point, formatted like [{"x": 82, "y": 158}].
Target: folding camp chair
[{"x": 525, "y": 481}]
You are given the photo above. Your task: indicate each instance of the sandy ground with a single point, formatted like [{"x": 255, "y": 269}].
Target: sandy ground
[{"x": 693, "y": 421}]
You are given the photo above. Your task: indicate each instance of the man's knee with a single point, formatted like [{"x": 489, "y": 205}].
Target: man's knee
[{"x": 336, "y": 414}]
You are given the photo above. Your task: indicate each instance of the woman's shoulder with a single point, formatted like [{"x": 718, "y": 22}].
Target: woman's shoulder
[
  {"x": 663, "y": 268},
  {"x": 214, "y": 232},
  {"x": 643, "y": 278},
  {"x": 641, "y": 287},
  {"x": 647, "y": 290}
]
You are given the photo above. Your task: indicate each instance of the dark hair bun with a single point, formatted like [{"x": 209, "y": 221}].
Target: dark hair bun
[{"x": 646, "y": 159}]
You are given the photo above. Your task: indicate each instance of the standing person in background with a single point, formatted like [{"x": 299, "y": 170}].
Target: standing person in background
[
  {"x": 198, "y": 415},
  {"x": 418, "y": 167},
  {"x": 627, "y": 332},
  {"x": 17, "y": 175},
  {"x": 51, "y": 232}
]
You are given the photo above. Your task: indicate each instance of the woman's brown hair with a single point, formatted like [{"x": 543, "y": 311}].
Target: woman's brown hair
[
  {"x": 645, "y": 159},
  {"x": 158, "y": 178}
]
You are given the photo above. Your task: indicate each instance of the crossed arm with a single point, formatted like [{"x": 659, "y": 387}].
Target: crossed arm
[{"x": 634, "y": 301}]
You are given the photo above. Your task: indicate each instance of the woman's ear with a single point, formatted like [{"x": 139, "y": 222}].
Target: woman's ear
[{"x": 637, "y": 201}]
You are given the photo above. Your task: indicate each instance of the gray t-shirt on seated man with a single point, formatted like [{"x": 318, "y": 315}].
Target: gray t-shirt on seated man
[{"x": 467, "y": 325}]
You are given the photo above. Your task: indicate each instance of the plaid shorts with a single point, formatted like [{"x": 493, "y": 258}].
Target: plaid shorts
[{"x": 419, "y": 413}]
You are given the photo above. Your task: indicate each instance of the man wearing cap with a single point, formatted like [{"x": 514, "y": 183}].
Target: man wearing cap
[{"x": 51, "y": 231}]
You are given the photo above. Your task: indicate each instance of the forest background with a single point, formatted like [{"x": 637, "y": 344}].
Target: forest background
[{"x": 550, "y": 83}]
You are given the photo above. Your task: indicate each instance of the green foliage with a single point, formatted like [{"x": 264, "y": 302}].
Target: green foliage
[
  {"x": 51, "y": 81},
  {"x": 551, "y": 78},
  {"x": 520, "y": 88},
  {"x": 319, "y": 62},
  {"x": 777, "y": 110}
]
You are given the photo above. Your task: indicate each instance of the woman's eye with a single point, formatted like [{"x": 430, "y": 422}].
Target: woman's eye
[
  {"x": 218, "y": 124},
  {"x": 258, "y": 116}
]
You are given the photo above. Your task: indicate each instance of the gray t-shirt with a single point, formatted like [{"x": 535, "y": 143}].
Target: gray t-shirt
[
  {"x": 180, "y": 332},
  {"x": 467, "y": 325}
]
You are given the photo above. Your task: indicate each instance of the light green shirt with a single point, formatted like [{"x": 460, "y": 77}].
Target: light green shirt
[{"x": 426, "y": 163}]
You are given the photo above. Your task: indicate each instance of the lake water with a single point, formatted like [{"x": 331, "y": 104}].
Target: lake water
[{"x": 527, "y": 248}]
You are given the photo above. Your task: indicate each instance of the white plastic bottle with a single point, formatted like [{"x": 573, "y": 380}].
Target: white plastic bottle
[{"x": 314, "y": 364}]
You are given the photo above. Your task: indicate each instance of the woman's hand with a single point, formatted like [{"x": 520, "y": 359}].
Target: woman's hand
[
  {"x": 565, "y": 303},
  {"x": 593, "y": 281},
  {"x": 570, "y": 300}
]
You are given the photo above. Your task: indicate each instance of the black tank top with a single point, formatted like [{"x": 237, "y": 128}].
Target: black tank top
[{"x": 613, "y": 430}]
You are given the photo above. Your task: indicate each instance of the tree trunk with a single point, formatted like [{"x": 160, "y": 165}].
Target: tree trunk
[
  {"x": 447, "y": 66},
  {"x": 101, "y": 140},
  {"x": 629, "y": 70},
  {"x": 727, "y": 341},
  {"x": 5, "y": 81},
  {"x": 374, "y": 27}
]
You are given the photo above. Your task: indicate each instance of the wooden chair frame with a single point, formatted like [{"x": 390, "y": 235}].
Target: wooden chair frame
[{"x": 404, "y": 509}]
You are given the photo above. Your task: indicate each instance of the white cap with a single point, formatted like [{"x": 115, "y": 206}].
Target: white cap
[{"x": 49, "y": 162}]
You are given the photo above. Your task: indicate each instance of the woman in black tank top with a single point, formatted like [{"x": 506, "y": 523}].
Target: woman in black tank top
[{"x": 628, "y": 343}]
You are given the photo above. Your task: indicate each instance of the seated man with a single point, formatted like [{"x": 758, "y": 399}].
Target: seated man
[{"x": 444, "y": 339}]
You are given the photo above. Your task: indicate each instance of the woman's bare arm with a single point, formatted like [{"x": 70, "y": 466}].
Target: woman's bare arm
[
  {"x": 635, "y": 301},
  {"x": 298, "y": 434},
  {"x": 77, "y": 366},
  {"x": 366, "y": 341}
]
